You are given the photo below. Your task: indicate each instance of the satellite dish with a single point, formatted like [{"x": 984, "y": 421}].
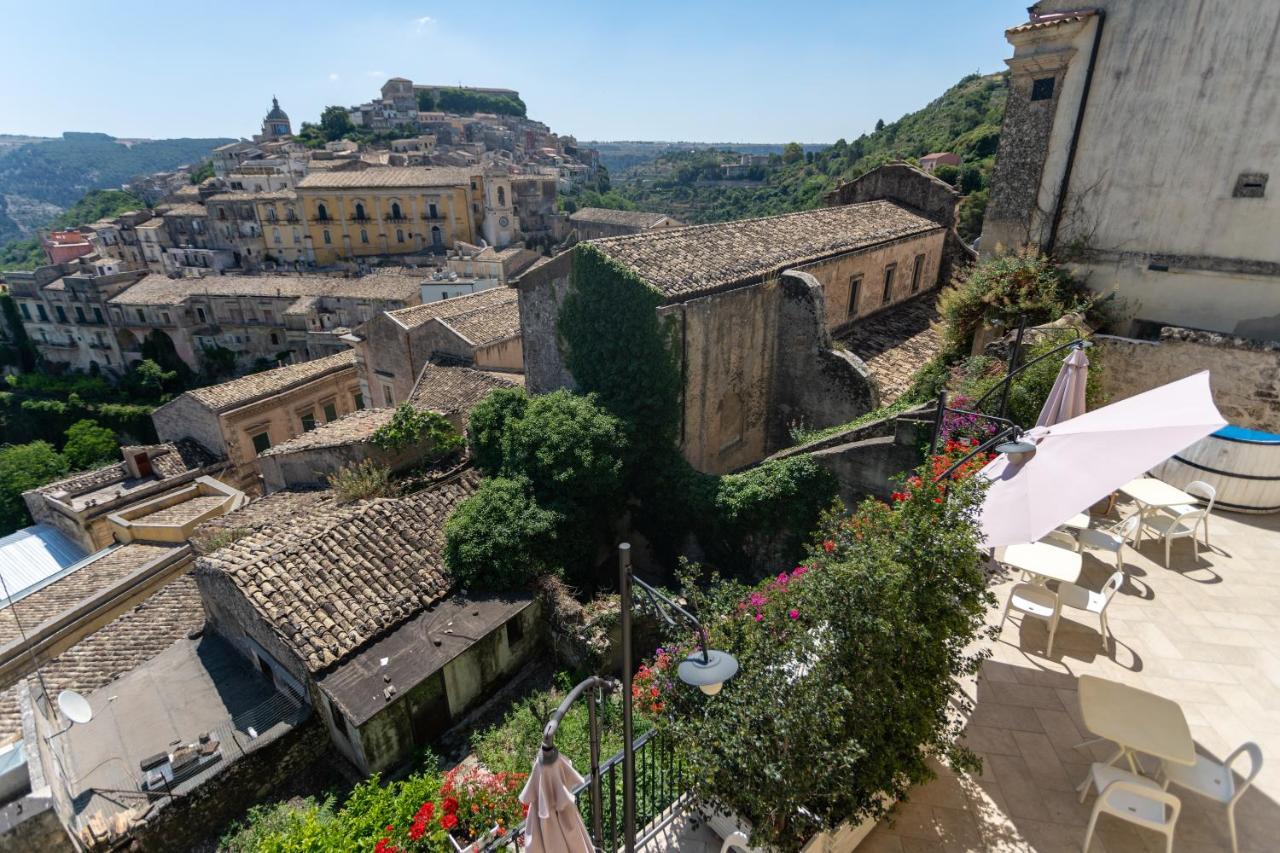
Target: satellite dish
[{"x": 74, "y": 707}]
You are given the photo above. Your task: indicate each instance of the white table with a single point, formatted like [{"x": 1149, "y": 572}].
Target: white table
[
  {"x": 1152, "y": 494},
  {"x": 1048, "y": 562},
  {"x": 1137, "y": 721}
]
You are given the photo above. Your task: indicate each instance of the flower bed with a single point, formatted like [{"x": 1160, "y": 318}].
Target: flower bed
[{"x": 473, "y": 807}]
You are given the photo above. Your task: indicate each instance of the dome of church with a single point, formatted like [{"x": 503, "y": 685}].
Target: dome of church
[{"x": 276, "y": 113}]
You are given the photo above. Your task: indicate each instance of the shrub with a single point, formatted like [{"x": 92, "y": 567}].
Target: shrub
[
  {"x": 410, "y": 427},
  {"x": 89, "y": 445},
  {"x": 568, "y": 448},
  {"x": 24, "y": 467},
  {"x": 362, "y": 481},
  {"x": 1030, "y": 388},
  {"x": 500, "y": 538},
  {"x": 488, "y": 421}
]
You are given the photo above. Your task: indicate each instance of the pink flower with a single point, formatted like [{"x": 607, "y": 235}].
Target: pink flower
[
  {"x": 759, "y": 617},
  {"x": 794, "y": 614}
]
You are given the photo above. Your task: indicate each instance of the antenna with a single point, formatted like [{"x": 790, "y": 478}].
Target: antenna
[{"x": 74, "y": 707}]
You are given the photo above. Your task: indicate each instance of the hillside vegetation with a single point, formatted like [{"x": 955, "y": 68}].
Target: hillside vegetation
[
  {"x": 39, "y": 178},
  {"x": 96, "y": 204},
  {"x": 965, "y": 120}
]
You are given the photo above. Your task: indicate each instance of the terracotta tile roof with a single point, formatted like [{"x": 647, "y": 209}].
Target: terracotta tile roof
[
  {"x": 255, "y": 386},
  {"x": 454, "y": 388},
  {"x": 1052, "y": 20},
  {"x": 605, "y": 216},
  {"x": 389, "y": 177},
  {"x": 167, "y": 460},
  {"x": 896, "y": 342},
  {"x": 123, "y": 644},
  {"x": 482, "y": 318},
  {"x": 181, "y": 513},
  {"x": 277, "y": 508},
  {"x": 332, "y": 581},
  {"x": 185, "y": 209},
  {"x": 700, "y": 259},
  {"x": 250, "y": 195},
  {"x": 161, "y": 290},
  {"x": 348, "y": 429}
]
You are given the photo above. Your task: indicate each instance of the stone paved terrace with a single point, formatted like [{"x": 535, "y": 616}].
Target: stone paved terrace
[{"x": 1206, "y": 635}]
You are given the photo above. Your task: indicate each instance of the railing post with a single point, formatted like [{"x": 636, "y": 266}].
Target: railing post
[
  {"x": 597, "y": 830},
  {"x": 628, "y": 748},
  {"x": 939, "y": 416},
  {"x": 1013, "y": 363}
]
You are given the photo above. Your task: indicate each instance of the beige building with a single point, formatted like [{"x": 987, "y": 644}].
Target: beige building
[
  {"x": 481, "y": 330},
  {"x": 241, "y": 418},
  {"x": 1138, "y": 143},
  {"x": 592, "y": 223}
]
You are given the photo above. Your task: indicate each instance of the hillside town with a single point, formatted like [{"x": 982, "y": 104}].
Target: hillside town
[{"x": 919, "y": 521}]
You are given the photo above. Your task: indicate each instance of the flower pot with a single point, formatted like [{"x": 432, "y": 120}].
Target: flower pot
[{"x": 731, "y": 827}]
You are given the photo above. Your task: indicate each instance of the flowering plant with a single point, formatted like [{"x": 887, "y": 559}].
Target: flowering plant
[{"x": 472, "y": 805}]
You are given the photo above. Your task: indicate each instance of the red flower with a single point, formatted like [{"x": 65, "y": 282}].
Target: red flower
[
  {"x": 828, "y": 546},
  {"x": 450, "y": 805},
  {"x": 449, "y": 821},
  {"x": 427, "y": 811},
  {"x": 384, "y": 845}
]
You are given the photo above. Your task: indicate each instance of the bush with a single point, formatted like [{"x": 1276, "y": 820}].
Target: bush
[
  {"x": 568, "y": 448},
  {"x": 978, "y": 375},
  {"x": 89, "y": 445},
  {"x": 362, "y": 481},
  {"x": 500, "y": 538},
  {"x": 24, "y": 467},
  {"x": 488, "y": 421},
  {"x": 410, "y": 427}
]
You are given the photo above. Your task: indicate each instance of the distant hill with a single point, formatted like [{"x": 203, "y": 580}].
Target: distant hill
[
  {"x": 965, "y": 120},
  {"x": 620, "y": 155},
  {"x": 41, "y": 177}
]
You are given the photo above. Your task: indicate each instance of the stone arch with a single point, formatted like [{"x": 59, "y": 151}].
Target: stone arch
[{"x": 127, "y": 341}]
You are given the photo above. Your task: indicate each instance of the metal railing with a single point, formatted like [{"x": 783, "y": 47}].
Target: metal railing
[{"x": 660, "y": 791}]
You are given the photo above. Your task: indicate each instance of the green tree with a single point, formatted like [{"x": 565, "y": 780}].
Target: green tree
[
  {"x": 501, "y": 538},
  {"x": 410, "y": 427},
  {"x": 879, "y": 125},
  {"x": 568, "y": 447},
  {"x": 792, "y": 153},
  {"x": 426, "y": 101},
  {"x": 202, "y": 172},
  {"x": 948, "y": 173},
  {"x": 24, "y": 467},
  {"x": 971, "y": 178},
  {"x": 335, "y": 123},
  {"x": 89, "y": 445},
  {"x": 489, "y": 420}
]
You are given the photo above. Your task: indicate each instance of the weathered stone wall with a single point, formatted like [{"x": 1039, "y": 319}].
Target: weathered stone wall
[
  {"x": 542, "y": 294},
  {"x": 30, "y": 824},
  {"x": 183, "y": 417},
  {"x": 503, "y": 355},
  {"x": 1244, "y": 374}
]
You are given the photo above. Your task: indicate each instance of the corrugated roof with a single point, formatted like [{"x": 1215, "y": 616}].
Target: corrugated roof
[{"x": 33, "y": 555}]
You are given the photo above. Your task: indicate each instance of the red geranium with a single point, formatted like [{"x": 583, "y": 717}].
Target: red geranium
[{"x": 449, "y": 821}]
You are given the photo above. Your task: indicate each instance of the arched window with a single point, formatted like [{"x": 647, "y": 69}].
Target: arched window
[
  {"x": 364, "y": 236},
  {"x": 328, "y": 238},
  {"x": 399, "y": 235},
  {"x": 395, "y": 210},
  {"x": 502, "y": 197},
  {"x": 222, "y": 213},
  {"x": 360, "y": 212},
  {"x": 271, "y": 214},
  {"x": 322, "y": 213}
]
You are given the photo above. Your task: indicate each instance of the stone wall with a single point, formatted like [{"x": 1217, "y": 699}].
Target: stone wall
[
  {"x": 184, "y": 417},
  {"x": 542, "y": 293},
  {"x": 1244, "y": 374}
]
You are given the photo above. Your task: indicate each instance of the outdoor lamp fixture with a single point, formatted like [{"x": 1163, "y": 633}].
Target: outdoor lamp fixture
[
  {"x": 1018, "y": 450},
  {"x": 706, "y": 669}
]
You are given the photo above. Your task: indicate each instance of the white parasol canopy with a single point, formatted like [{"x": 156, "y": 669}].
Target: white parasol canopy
[
  {"x": 1066, "y": 397},
  {"x": 553, "y": 824},
  {"x": 1080, "y": 461}
]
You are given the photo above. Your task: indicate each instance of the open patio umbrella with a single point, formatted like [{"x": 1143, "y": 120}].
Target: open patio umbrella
[
  {"x": 1080, "y": 461},
  {"x": 553, "y": 824},
  {"x": 1066, "y": 397}
]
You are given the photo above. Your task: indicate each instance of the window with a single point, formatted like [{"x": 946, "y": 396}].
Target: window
[
  {"x": 395, "y": 210},
  {"x": 432, "y": 212},
  {"x": 142, "y": 317},
  {"x": 360, "y": 211},
  {"x": 887, "y": 296},
  {"x": 502, "y": 197},
  {"x": 855, "y": 292},
  {"x": 387, "y": 396},
  {"x": 364, "y": 236},
  {"x": 330, "y": 412},
  {"x": 339, "y": 721},
  {"x": 79, "y": 314},
  {"x": 26, "y": 312},
  {"x": 444, "y": 294},
  {"x": 271, "y": 213},
  {"x": 917, "y": 272},
  {"x": 297, "y": 238},
  {"x": 222, "y": 214},
  {"x": 327, "y": 238},
  {"x": 200, "y": 314},
  {"x": 62, "y": 314},
  {"x": 515, "y": 631},
  {"x": 399, "y": 235},
  {"x": 322, "y": 213},
  {"x": 275, "y": 339},
  {"x": 1251, "y": 185},
  {"x": 1042, "y": 89},
  {"x": 164, "y": 317},
  {"x": 97, "y": 315},
  {"x": 275, "y": 236},
  {"x": 261, "y": 442},
  {"x": 357, "y": 399},
  {"x": 308, "y": 421}
]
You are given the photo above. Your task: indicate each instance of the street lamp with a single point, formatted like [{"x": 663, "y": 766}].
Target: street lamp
[{"x": 706, "y": 669}]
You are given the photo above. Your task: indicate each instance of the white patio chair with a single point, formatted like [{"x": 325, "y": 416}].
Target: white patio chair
[
  {"x": 1216, "y": 781},
  {"x": 1112, "y": 539},
  {"x": 1034, "y": 600},
  {"x": 1199, "y": 489},
  {"x": 1131, "y": 798},
  {"x": 1184, "y": 526},
  {"x": 1080, "y": 598}
]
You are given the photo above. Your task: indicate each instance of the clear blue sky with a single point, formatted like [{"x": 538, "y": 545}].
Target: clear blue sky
[{"x": 705, "y": 71}]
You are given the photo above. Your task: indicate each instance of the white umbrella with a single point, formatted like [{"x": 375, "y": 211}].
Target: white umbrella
[
  {"x": 1066, "y": 397},
  {"x": 1080, "y": 461},
  {"x": 553, "y": 824}
]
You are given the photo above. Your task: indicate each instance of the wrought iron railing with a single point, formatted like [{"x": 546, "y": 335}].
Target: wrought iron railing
[{"x": 660, "y": 790}]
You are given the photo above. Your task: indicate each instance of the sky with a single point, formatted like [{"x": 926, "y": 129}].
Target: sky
[{"x": 746, "y": 71}]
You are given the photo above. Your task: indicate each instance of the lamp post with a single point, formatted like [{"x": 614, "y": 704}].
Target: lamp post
[{"x": 706, "y": 669}]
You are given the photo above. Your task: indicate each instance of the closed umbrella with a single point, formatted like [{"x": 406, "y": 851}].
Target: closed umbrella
[
  {"x": 1080, "y": 461},
  {"x": 553, "y": 824},
  {"x": 1066, "y": 397}
]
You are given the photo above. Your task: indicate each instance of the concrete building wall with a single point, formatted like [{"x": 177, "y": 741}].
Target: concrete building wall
[
  {"x": 456, "y": 220},
  {"x": 503, "y": 355}
]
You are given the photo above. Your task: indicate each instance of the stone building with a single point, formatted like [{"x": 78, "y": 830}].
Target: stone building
[
  {"x": 1137, "y": 144},
  {"x": 403, "y": 211},
  {"x": 276, "y": 125},
  {"x": 749, "y": 306},
  {"x": 592, "y": 223},
  {"x": 388, "y": 663},
  {"x": 233, "y": 223},
  {"x": 480, "y": 329},
  {"x": 239, "y": 419},
  {"x": 930, "y": 162}
]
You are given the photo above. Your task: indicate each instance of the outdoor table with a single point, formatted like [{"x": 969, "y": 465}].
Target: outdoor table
[
  {"x": 1047, "y": 562},
  {"x": 1150, "y": 494},
  {"x": 1137, "y": 721}
]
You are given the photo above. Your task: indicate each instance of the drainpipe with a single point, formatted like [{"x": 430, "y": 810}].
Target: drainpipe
[{"x": 1060, "y": 203}]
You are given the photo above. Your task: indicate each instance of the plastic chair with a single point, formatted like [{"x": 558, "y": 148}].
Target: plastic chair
[
  {"x": 1034, "y": 600},
  {"x": 1131, "y": 798},
  {"x": 1186, "y": 525},
  {"x": 1112, "y": 539},
  {"x": 1199, "y": 489},
  {"x": 1079, "y": 598},
  {"x": 1216, "y": 781}
]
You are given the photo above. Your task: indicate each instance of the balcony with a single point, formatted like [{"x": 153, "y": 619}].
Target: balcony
[{"x": 397, "y": 218}]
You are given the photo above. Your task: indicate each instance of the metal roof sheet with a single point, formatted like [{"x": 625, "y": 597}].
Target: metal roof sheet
[{"x": 32, "y": 556}]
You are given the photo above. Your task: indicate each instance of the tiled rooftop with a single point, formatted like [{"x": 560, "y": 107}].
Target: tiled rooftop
[
  {"x": 486, "y": 317},
  {"x": 896, "y": 342},
  {"x": 184, "y": 209},
  {"x": 699, "y": 259},
  {"x": 161, "y": 290},
  {"x": 1052, "y": 20},
  {"x": 167, "y": 460},
  {"x": 605, "y": 216},
  {"x": 389, "y": 176},
  {"x": 348, "y": 429},
  {"x": 454, "y": 388},
  {"x": 255, "y": 386},
  {"x": 181, "y": 513},
  {"x": 1202, "y": 633},
  {"x": 332, "y": 580}
]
